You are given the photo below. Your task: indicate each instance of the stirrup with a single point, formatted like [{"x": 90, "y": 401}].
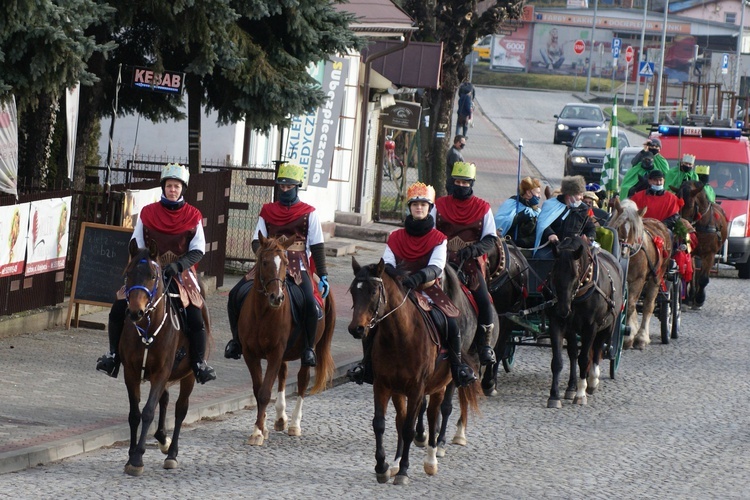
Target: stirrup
[
  {"x": 487, "y": 356},
  {"x": 233, "y": 350},
  {"x": 463, "y": 375},
  {"x": 308, "y": 357},
  {"x": 203, "y": 373},
  {"x": 356, "y": 374},
  {"x": 109, "y": 364}
]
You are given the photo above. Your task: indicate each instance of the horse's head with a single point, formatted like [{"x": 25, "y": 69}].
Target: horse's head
[
  {"x": 694, "y": 198},
  {"x": 143, "y": 283},
  {"x": 368, "y": 297},
  {"x": 628, "y": 222},
  {"x": 572, "y": 264},
  {"x": 271, "y": 268}
]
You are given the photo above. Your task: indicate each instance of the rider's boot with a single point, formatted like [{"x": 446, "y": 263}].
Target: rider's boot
[
  {"x": 362, "y": 371},
  {"x": 462, "y": 373},
  {"x": 311, "y": 326},
  {"x": 203, "y": 372},
  {"x": 237, "y": 295},
  {"x": 487, "y": 352},
  {"x": 110, "y": 362}
]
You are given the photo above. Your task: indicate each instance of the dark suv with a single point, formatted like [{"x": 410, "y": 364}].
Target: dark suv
[{"x": 585, "y": 156}]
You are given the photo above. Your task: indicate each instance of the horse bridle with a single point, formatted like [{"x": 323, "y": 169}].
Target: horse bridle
[
  {"x": 382, "y": 300},
  {"x": 150, "y": 306},
  {"x": 264, "y": 284}
]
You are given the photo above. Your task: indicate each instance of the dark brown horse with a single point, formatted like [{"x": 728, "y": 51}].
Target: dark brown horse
[
  {"x": 649, "y": 244},
  {"x": 406, "y": 364},
  {"x": 588, "y": 288},
  {"x": 710, "y": 223},
  {"x": 508, "y": 283},
  {"x": 267, "y": 331},
  {"x": 153, "y": 348}
]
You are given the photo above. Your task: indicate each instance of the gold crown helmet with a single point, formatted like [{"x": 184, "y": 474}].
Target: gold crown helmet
[
  {"x": 175, "y": 171},
  {"x": 289, "y": 173},
  {"x": 465, "y": 171},
  {"x": 688, "y": 158},
  {"x": 702, "y": 169},
  {"x": 420, "y": 191}
]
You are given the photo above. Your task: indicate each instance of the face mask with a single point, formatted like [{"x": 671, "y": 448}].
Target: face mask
[
  {"x": 534, "y": 200},
  {"x": 288, "y": 197},
  {"x": 686, "y": 168},
  {"x": 575, "y": 204},
  {"x": 657, "y": 187},
  {"x": 462, "y": 192},
  {"x": 654, "y": 151}
]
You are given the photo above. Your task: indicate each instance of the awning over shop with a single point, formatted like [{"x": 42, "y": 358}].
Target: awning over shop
[{"x": 377, "y": 81}]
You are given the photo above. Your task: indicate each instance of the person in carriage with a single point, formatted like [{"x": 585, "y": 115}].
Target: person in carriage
[
  {"x": 662, "y": 204},
  {"x": 592, "y": 197},
  {"x": 564, "y": 215},
  {"x": 421, "y": 250},
  {"x": 517, "y": 216},
  {"x": 291, "y": 218},
  {"x": 468, "y": 223},
  {"x": 177, "y": 229}
]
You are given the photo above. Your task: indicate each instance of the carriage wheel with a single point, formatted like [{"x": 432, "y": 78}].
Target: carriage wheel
[
  {"x": 665, "y": 316},
  {"x": 509, "y": 356},
  {"x": 618, "y": 337},
  {"x": 676, "y": 306}
]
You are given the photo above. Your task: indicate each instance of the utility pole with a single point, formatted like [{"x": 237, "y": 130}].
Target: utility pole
[
  {"x": 591, "y": 48},
  {"x": 640, "y": 54}
]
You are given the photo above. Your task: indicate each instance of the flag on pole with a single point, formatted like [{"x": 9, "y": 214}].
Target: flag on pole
[{"x": 611, "y": 174}]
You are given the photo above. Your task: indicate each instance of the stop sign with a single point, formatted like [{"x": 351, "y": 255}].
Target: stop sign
[
  {"x": 629, "y": 54},
  {"x": 579, "y": 46}
]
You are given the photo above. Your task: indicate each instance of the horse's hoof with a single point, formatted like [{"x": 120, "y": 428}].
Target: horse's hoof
[
  {"x": 490, "y": 392},
  {"x": 294, "y": 431},
  {"x": 265, "y": 433},
  {"x": 170, "y": 463},
  {"x": 459, "y": 440},
  {"x": 440, "y": 452},
  {"x": 429, "y": 469},
  {"x": 132, "y": 470},
  {"x": 164, "y": 447},
  {"x": 392, "y": 471},
  {"x": 279, "y": 425},
  {"x": 402, "y": 480},
  {"x": 255, "y": 440},
  {"x": 591, "y": 388},
  {"x": 554, "y": 403},
  {"x": 420, "y": 441},
  {"x": 580, "y": 400},
  {"x": 383, "y": 477},
  {"x": 570, "y": 393},
  {"x": 640, "y": 345}
]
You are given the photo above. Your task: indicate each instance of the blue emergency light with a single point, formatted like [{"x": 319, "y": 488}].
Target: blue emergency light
[{"x": 686, "y": 131}]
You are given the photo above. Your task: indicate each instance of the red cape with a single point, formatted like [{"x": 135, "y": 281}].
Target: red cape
[
  {"x": 660, "y": 207},
  {"x": 157, "y": 217},
  {"x": 411, "y": 248},
  {"x": 463, "y": 212},
  {"x": 281, "y": 215}
]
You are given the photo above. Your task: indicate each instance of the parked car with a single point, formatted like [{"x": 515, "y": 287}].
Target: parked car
[
  {"x": 575, "y": 116},
  {"x": 585, "y": 156},
  {"x": 626, "y": 159},
  {"x": 482, "y": 48}
]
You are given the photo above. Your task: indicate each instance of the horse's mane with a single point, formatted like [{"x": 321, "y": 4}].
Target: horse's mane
[
  {"x": 141, "y": 254},
  {"x": 631, "y": 219}
]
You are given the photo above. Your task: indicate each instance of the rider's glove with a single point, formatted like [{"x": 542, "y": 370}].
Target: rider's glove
[
  {"x": 172, "y": 270},
  {"x": 467, "y": 253},
  {"x": 414, "y": 280},
  {"x": 323, "y": 286}
]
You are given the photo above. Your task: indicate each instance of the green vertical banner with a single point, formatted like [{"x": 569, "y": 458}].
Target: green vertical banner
[{"x": 611, "y": 173}]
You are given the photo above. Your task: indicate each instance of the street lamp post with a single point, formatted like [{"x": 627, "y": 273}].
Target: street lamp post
[
  {"x": 640, "y": 53},
  {"x": 661, "y": 63},
  {"x": 739, "y": 52},
  {"x": 591, "y": 48}
]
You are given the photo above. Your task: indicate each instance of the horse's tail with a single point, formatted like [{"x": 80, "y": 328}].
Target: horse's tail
[
  {"x": 325, "y": 368},
  {"x": 469, "y": 397}
]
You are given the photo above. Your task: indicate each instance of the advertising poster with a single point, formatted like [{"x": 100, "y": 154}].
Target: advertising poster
[
  {"x": 8, "y": 147},
  {"x": 14, "y": 224},
  {"x": 311, "y": 139},
  {"x": 509, "y": 52},
  {"x": 48, "y": 233},
  {"x": 553, "y": 51}
]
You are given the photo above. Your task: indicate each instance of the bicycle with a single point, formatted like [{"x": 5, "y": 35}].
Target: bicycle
[{"x": 393, "y": 166}]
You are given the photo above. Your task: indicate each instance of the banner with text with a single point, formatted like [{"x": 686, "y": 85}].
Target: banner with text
[
  {"x": 8, "y": 147},
  {"x": 14, "y": 226},
  {"x": 311, "y": 138},
  {"x": 47, "y": 242},
  {"x": 71, "y": 116}
]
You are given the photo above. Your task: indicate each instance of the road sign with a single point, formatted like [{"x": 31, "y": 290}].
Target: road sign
[
  {"x": 615, "y": 52},
  {"x": 629, "y": 54},
  {"x": 616, "y": 42},
  {"x": 646, "y": 69},
  {"x": 579, "y": 46},
  {"x": 724, "y": 64}
]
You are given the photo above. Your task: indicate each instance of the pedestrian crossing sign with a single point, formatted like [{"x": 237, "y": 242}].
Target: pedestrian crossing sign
[{"x": 646, "y": 69}]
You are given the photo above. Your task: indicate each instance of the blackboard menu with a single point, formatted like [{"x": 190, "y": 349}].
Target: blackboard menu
[{"x": 101, "y": 259}]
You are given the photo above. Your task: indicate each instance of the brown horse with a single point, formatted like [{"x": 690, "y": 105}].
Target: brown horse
[
  {"x": 649, "y": 260},
  {"x": 154, "y": 349},
  {"x": 710, "y": 223},
  {"x": 508, "y": 284},
  {"x": 588, "y": 288},
  {"x": 267, "y": 331},
  {"x": 406, "y": 364}
]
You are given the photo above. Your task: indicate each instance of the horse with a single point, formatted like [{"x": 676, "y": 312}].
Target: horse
[
  {"x": 406, "y": 364},
  {"x": 267, "y": 331},
  {"x": 649, "y": 244},
  {"x": 153, "y": 348},
  {"x": 588, "y": 288},
  {"x": 508, "y": 284},
  {"x": 710, "y": 223}
]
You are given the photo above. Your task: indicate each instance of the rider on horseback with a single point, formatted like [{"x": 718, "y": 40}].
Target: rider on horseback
[
  {"x": 421, "y": 250},
  {"x": 292, "y": 218},
  {"x": 662, "y": 205},
  {"x": 469, "y": 225},
  {"x": 685, "y": 172},
  {"x": 177, "y": 229}
]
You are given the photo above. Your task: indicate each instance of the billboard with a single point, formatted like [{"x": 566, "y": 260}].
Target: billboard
[{"x": 510, "y": 52}]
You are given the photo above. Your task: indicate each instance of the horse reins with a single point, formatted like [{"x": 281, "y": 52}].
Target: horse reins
[
  {"x": 382, "y": 300},
  {"x": 263, "y": 284}
]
